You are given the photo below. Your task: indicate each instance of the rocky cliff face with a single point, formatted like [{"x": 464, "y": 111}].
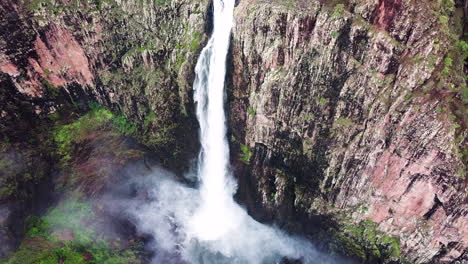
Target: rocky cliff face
[
  {"x": 346, "y": 117},
  {"x": 356, "y": 108},
  {"x": 134, "y": 56}
]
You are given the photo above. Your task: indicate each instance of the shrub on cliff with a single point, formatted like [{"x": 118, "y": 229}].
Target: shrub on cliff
[{"x": 66, "y": 235}]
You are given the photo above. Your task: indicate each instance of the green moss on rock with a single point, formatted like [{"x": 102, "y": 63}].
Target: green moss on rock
[
  {"x": 364, "y": 241},
  {"x": 246, "y": 154},
  {"x": 65, "y": 235},
  {"x": 98, "y": 118}
]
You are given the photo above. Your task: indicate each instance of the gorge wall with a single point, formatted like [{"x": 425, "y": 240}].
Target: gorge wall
[
  {"x": 56, "y": 57},
  {"x": 346, "y": 116},
  {"x": 354, "y": 110},
  {"x": 136, "y": 57}
]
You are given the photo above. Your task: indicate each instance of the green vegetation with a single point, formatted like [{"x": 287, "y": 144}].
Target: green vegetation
[
  {"x": 64, "y": 235},
  {"x": 7, "y": 185},
  {"x": 7, "y": 190},
  {"x": 149, "y": 119},
  {"x": 309, "y": 117},
  {"x": 99, "y": 132},
  {"x": 409, "y": 96},
  {"x": 251, "y": 111},
  {"x": 162, "y": 136},
  {"x": 195, "y": 43},
  {"x": 40, "y": 252},
  {"x": 51, "y": 89},
  {"x": 133, "y": 52},
  {"x": 161, "y": 82},
  {"x": 443, "y": 9},
  {"x": 68, "y": 215},
  {"x": 160, "y": 2},
  {"x": 273, "y": 196},
  {"x": 56, "y": 7},
  {"x": 246, "y": 154},
  {"x": 98, "y": 118},
  {"x": 158, "y": 129},
  {"x": 191, "y": 43},
  {"x": 343, "y": 122},
  {"x": 341, "y": 125},
  {"x": 463, "y": 48},
  {"x": 288, "y": 4},
  {"x": 381, "y": 245},
  {"x": 322, "y": 101},
  {"x": 335, "y": 34},
  {"x": 36, "y": 4},
  {"x": 157, "y": 134},
  {"x": 338, "y": 10},
  {"x": 447, "y": 85},
  {"x": 447, "y": 64},
  {"x": 366, "y": 242}
]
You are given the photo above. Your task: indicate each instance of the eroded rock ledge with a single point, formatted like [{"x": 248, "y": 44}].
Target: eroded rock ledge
[{"x": 341, "y": 108}]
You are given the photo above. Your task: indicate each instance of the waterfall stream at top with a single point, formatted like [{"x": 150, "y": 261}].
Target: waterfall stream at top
[
  {"x": 218, "y": 222},
  {"x": 206, "y": 225},
  {"x": 214, "y": 217}
]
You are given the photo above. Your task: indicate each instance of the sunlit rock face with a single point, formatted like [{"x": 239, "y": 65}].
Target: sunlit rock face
[
  {"x": 336, "y": 106},
  {"x": 137, "y": 57}
]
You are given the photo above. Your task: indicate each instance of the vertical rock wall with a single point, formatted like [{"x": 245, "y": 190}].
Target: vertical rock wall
[
  {"x": 342, "y": 107},
  {"x": 134, "y": 56}
]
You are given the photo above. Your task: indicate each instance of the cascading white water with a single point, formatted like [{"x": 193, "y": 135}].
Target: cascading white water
[
  {"x": 214, "y": 218},
  {"x": 206, "y": 226}
]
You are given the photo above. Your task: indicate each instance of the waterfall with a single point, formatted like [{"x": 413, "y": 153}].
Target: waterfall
[
  {"x": 214, "y": 217},
  {"x": 206, "y": 225}
]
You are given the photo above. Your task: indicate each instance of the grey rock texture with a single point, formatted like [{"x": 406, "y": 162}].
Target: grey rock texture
[{"x": 335, "y": 107}]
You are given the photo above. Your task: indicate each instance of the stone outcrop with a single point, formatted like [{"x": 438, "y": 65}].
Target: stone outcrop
[
  {"x": 335, "y": 106},
  {"x": 134, "y": 56}
]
